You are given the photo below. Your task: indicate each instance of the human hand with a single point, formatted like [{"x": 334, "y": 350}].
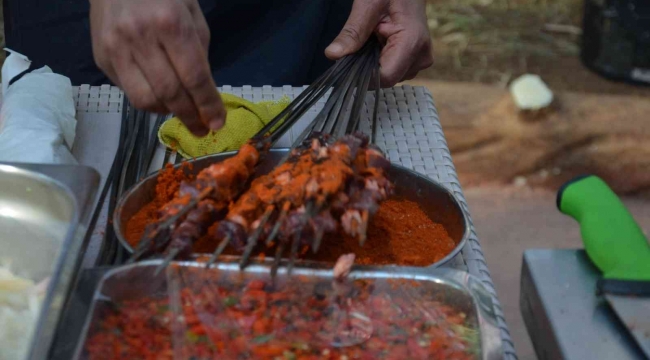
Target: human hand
[
  {"x": 400, "y": 24},
  {"x": 156, "y": 51}
]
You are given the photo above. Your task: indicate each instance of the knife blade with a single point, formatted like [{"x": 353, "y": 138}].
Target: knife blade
[{"x": 634, "y": 312}]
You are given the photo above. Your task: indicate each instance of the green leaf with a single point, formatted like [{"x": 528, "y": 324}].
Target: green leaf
[
  {"x": 192, "y": 337},
  {"x": 262, "y": 339},
  {"x": 230, "y": 301}
]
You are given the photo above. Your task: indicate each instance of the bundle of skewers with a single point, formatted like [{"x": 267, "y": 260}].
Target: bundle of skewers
[{"x": 333, "y": 177}]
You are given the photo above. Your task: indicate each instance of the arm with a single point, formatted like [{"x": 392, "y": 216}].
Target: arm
[
  {"x": 400, "y": 24},
  {"x": 156, "y": 51}
]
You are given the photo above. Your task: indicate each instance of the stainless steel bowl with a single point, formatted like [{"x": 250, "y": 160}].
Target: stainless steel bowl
[
  {"x": 436, "y": 201},
  {"x": 41, "y": 233}
]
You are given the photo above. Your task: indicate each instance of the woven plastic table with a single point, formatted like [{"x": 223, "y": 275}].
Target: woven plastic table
[{"x": 409, "y": 131}]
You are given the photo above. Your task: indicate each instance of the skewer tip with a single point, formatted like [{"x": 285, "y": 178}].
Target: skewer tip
[
  {"x": 317, "y": 241},
  {"x": 277, "y": 259},
  {"x": 218, "y": 251},
  {"x": 167, "y": 261}
]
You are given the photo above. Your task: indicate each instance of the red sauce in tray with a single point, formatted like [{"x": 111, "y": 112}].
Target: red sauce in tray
[{"x": 216, "y": 316}]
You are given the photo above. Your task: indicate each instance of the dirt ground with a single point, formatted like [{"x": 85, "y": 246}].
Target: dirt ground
[{"x": 494, "y": 41}]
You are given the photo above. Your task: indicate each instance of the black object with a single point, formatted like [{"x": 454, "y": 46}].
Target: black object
[
  {"x": 616, "y": 39},
  {"x": 623, "y": 287}
]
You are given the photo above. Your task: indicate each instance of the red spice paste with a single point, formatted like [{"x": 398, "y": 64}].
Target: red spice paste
[
  {"x": 168, "y": 182},
  {"x": 400, "y": 233}
]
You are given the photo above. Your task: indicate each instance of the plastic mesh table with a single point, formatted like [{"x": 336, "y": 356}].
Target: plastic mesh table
[{"x": 409, "y": 131}]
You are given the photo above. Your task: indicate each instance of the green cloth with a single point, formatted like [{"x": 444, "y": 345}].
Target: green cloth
[{"x": 243, "y": 120}]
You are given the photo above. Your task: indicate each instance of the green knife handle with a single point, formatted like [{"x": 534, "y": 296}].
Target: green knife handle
[{"x": 613, "y": 240}]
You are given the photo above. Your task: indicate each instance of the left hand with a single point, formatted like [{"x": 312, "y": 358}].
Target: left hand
[{"x": 400, "y": 24}]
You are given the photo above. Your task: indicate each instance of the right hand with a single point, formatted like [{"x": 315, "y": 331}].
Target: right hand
[{"x": 156, "y": 51}]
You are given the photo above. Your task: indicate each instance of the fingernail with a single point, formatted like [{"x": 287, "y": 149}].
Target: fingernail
[
  {"x": 215, "y": 124},
  {"x": 335, "y": 48}
]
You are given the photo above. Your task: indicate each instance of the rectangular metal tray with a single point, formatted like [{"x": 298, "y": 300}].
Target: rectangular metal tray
[
  {"x": 43, "y": 220},
  {"x": 456, "y": 288}
]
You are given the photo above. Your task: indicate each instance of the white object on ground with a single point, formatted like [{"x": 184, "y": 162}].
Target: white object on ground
[
  {"x": 37, "y": 119},
  {"x": 531, "y": 93}
]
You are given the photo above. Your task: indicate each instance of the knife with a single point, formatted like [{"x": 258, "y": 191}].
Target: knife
[{"x": 617, "y": 246}]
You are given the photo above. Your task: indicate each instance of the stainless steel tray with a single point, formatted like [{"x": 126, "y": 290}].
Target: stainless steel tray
[
  {"x": 435, "y": 200},
  {"x": 456, "y": 288},
  {"x": 43, "y": 220}
]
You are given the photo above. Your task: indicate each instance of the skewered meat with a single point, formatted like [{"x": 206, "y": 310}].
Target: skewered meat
[
  {"x": 322, "y": 184},
  {"x": 194, "y": 226},
  {"x": 219, "y": 183},
  {"x": 316, "y": 173},
  {"x": 303, "y": 198}
]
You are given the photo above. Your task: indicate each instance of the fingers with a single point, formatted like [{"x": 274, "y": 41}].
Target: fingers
[
  {"x": 363, "y": 19},
  {"x": 189, "y": 59},
  {"x": 404, "y": 55},
  {"x": 156, "y": 51},
  {"x": 134, "y": 83},
  {"x": 396, "y": 59},
  {"x": 201, "y": 25},
  {"x": 424, "y": 61},
  {"x": 166, "y": 86}
]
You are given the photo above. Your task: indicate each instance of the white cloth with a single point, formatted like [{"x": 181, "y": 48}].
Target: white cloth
[{"x": 37, "y": 118}]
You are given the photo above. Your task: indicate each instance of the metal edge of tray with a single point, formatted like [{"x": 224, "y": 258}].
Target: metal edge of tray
[
  {"x": 490, "y": 334},
  {"x": 117, "y": 222},
  {"x": 79, "y": 183}
]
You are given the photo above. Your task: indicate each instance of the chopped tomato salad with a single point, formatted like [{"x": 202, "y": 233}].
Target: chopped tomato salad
[{"x": 212, "y": 315}]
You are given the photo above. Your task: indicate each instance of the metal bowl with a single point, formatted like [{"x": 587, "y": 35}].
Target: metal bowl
[
  {"x": 42, "y": 227},
  {"x": 436, "y": 201}
]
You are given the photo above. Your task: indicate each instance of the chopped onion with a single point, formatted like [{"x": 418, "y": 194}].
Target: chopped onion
[{"x": 20, "y": 305}]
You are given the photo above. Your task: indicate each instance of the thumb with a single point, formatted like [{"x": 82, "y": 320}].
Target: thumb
[{"x": 360, "y": 25}]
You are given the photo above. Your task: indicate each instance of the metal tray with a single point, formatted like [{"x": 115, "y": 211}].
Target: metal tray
[
  {"x": 435, "y": 200},
  {"x": 456, "y": 288},
  {"x": 42, "y": 219}
]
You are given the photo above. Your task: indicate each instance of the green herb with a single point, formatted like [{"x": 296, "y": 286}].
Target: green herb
[
  {"x": 191, "y": 337},
  {"x": 300, "y": 346},
  {"x": 162, "y": 309},
  {"x": 230, "y": 301},
  {"x": 470, "y": 336},
  {"x": 288, "y": 355},
  {"x": 203, "y": 339},
  {"x": 262, "y": 339}
]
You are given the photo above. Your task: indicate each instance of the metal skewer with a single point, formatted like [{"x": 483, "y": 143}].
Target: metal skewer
[
  {"x": 252, "y": 240},
  {"x": 218, "y": 251},
  {"x": 278, "y": 223},
  {"x": 168, "y": 259}
]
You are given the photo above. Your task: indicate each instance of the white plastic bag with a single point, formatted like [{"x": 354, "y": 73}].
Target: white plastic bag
[{"x": 37, "y": 118}]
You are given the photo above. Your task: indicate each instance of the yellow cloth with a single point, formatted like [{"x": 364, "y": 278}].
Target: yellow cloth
[{"x": 243, "y": 120}]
